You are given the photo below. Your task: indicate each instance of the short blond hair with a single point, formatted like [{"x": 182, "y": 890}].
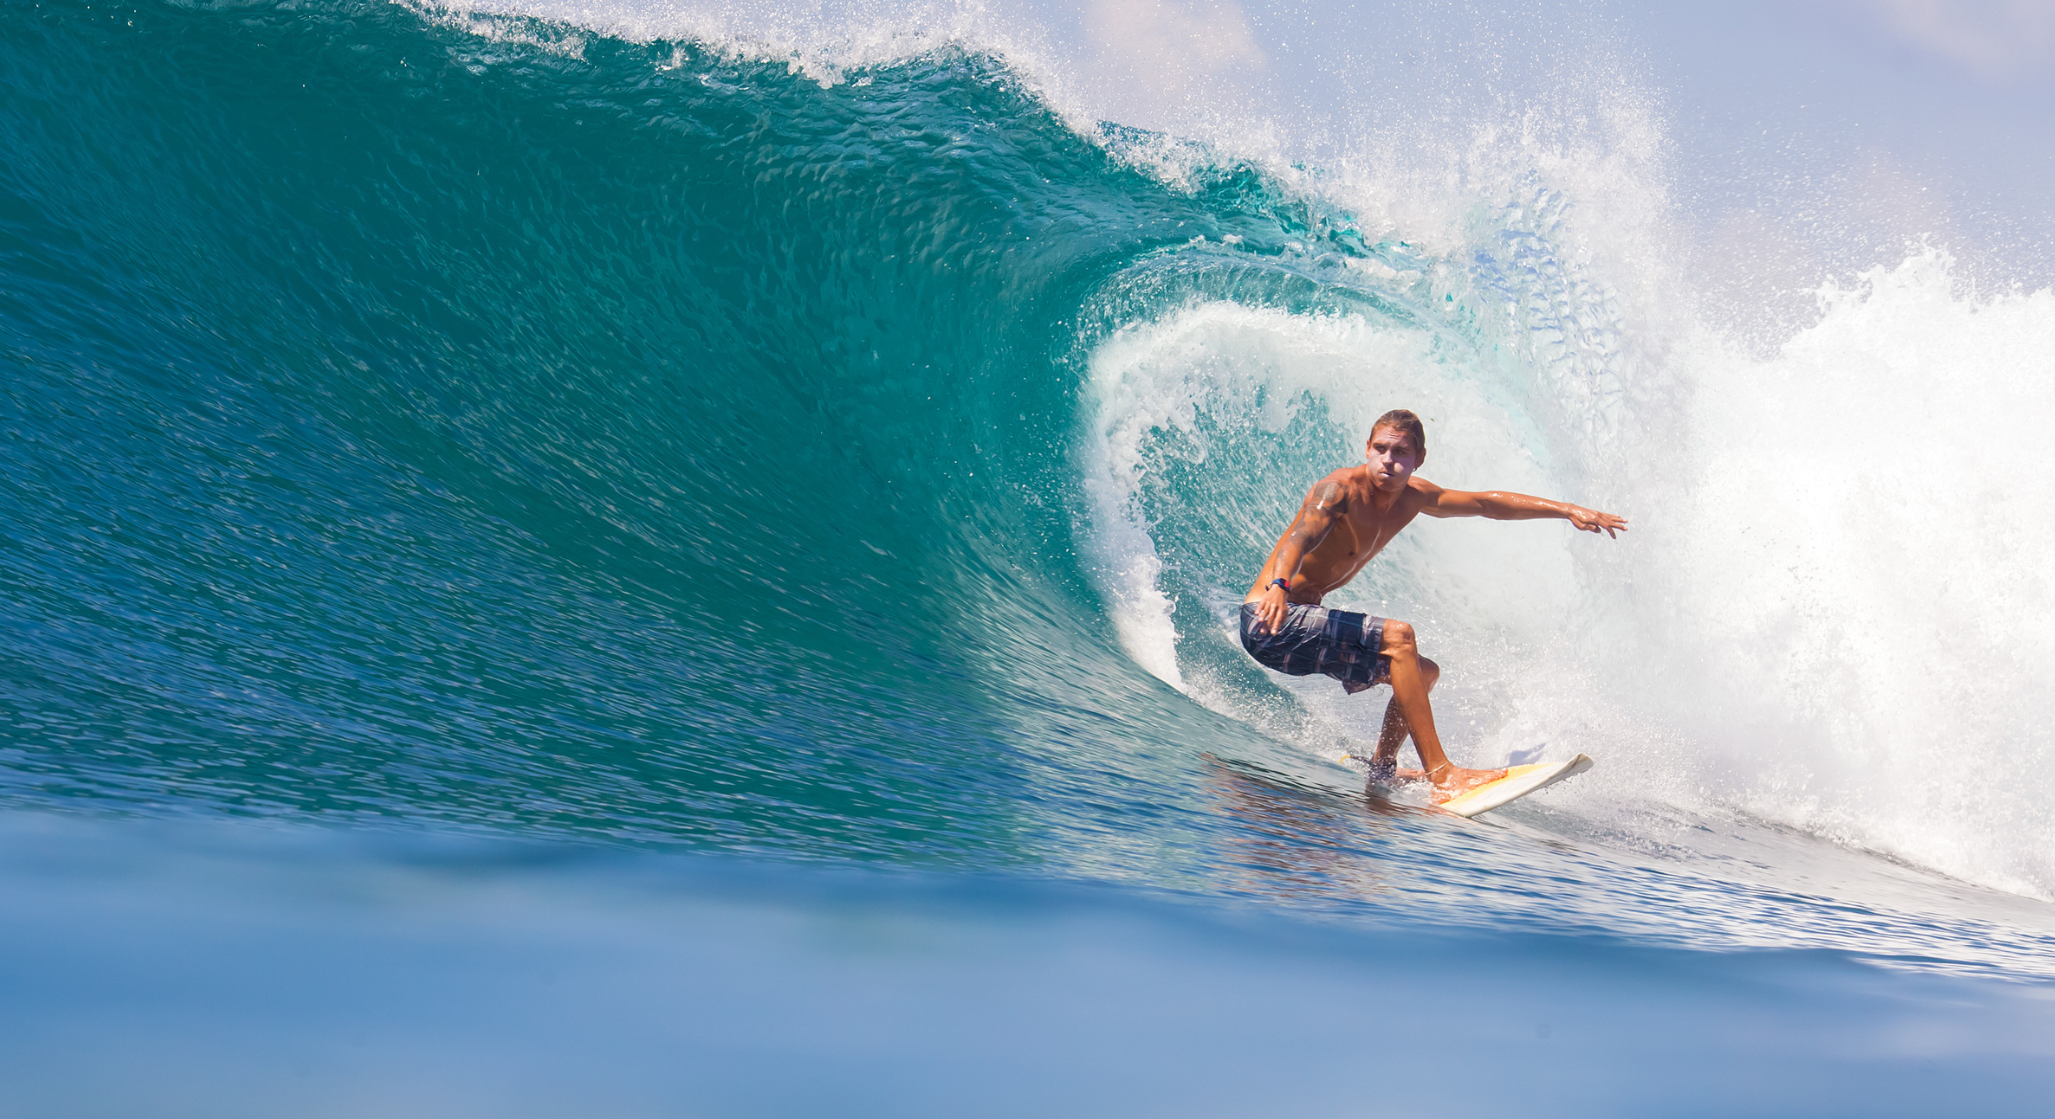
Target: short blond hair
[{"x": 1407, "y": 424}]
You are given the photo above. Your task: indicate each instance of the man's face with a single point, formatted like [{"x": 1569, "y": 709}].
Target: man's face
[{"x": 1391, "y": 459}]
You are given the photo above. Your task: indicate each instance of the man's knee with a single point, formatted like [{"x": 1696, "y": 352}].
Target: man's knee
[
  {"x": 1398, "y": 639},
  {"x": 1429, "y": 671}
]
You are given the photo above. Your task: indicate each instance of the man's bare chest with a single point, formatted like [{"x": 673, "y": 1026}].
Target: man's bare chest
[{"x": 1359, "y": 535}]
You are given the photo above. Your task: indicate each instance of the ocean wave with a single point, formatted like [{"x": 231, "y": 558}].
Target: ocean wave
[{"x": 672, "y": 433}]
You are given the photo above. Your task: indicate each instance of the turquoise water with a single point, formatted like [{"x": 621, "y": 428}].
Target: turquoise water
[{"x": 544, "y": 570}]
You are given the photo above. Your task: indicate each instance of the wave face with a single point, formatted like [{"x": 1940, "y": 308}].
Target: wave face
[
  {"x": 619, "y": 440},
  {"x": 488, "y": 424}
]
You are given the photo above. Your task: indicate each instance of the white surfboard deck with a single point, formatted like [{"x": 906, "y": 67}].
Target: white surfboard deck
[{"x": 1518, "y": 782}]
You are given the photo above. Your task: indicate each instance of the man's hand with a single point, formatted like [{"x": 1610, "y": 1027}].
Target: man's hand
[
  {"x": 1270, "y": 612},
  {"x": 1591, "y": 520}
]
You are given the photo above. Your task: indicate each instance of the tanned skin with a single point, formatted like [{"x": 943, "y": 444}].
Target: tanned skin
[{"x": 1348, "y": 517}]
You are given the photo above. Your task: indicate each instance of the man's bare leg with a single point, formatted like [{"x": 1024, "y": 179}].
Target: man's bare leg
[
  {"x": 1410, "y": 680},
  {"x": 1393, "y": 735}
]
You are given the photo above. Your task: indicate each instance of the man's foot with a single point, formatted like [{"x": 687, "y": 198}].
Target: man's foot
[{"x": 1453, "y": 781}]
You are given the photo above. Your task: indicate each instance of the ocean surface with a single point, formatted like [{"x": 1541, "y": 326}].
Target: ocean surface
[{"x": 677, "y": 561}]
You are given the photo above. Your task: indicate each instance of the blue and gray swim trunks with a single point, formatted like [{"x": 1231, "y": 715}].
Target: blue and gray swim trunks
[{"x": 1314, "y": 639}]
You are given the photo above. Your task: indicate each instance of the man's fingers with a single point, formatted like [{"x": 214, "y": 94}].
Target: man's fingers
[{"x": 1603, "y": 522}]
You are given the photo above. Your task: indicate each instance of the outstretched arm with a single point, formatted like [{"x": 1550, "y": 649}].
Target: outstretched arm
[
  {"x": 1325, "y": 504},
  {"x": 1501, "y": 506}
]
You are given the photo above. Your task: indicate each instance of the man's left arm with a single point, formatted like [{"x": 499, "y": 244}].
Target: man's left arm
[{"x": 1498, "y": 505}]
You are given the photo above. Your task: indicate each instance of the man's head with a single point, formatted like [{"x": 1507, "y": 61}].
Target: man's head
[{"x": 1397, "y": 447}]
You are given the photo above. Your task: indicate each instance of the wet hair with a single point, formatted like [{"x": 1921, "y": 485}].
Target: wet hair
[{"x": 1407, "y": 424}]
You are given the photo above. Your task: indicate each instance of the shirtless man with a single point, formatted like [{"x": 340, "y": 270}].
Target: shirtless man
[{"x": 1348, "y": 517}]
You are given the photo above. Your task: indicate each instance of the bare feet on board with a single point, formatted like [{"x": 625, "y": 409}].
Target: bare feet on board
[{"x": 1451, "y": 781}]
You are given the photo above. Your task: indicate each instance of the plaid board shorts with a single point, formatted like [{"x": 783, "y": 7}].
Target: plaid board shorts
[{"x": 1313, "y": 639}]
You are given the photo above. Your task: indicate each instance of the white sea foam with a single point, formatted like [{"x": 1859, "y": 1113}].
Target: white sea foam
[{"x": 1856, "y": 617}]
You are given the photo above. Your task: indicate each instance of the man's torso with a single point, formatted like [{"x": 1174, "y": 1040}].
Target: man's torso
[{"x": 1358, "y": 535}]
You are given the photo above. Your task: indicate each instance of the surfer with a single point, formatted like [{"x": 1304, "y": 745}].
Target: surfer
[{"x": 1346, "y": 518}]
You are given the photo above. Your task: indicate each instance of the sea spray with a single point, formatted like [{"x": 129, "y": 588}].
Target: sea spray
[{"x": 1853, "y": 579}]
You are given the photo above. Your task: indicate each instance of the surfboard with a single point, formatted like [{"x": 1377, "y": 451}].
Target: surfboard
[{"x": 1518, "y": 782}]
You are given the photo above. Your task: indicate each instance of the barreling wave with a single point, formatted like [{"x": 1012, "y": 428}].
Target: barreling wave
[{"x": 508, "y": 425}]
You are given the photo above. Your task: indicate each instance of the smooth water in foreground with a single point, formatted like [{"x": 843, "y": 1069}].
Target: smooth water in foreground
[
  {"x": 614, "y": 563},
  {"x": 261, "y": 972}
]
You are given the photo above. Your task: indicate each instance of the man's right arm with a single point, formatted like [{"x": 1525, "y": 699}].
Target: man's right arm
[{"x": 1324, "y": 505}]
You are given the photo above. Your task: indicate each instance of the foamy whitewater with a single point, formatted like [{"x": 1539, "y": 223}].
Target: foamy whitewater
[{"x": 684, "y": 558}]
